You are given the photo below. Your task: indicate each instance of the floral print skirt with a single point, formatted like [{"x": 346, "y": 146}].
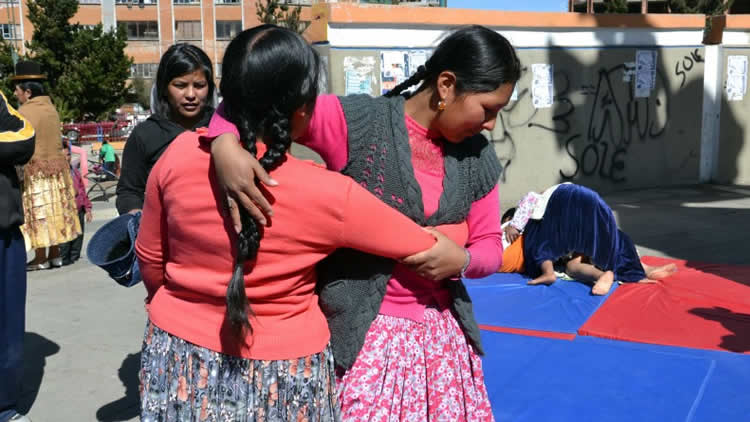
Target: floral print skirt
[
  {"x": 181, "y": 381},
  {"x": 415, "y": 371}
]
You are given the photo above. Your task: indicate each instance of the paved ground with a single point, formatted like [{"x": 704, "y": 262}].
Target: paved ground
[{"x": 84, "y": 332}]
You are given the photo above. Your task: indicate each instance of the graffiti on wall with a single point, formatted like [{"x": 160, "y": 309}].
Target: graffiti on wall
[
  {"x": 614, "y": 118},
  {"x": 684, "y": 66}
]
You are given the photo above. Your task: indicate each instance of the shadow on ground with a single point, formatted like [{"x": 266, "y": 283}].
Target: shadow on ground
[
  {"x": 36, "y": 348},
  {"x": 128, "y": 406},
  {"x": 738, "y": 324}
]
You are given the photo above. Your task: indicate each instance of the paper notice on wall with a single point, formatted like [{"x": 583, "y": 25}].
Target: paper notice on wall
[
  {"x": 398, "y": 65},
  {"x": 736, "y": 87},
  {"x": 542, "y": 85},
  {"x": 628, "y": 71},
  {"x": 392, "y": 69},
  {"x": 514, "y": 95},
  {"x": 645, "y": 73},
  {"x": 416, "y": 58},
  {"x": 359, "y": 75}
]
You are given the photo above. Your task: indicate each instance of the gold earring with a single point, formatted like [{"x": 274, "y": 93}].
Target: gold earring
[{"x": 441, "y": 105}]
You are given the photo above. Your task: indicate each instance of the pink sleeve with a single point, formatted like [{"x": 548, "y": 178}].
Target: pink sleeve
[
  {"x": 219, "y": 125},
  {"x": 84, "y": 195},
  {"x": 326, "y": 134},
  {"x": 524, "y": 211},
  {"x": 485, "y": 236},
  {"x": 150, "y": 243},
  {"x": 83, "y": 165}
]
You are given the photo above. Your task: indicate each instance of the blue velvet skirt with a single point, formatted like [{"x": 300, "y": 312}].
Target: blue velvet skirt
[{"x": 578, "y": 221}]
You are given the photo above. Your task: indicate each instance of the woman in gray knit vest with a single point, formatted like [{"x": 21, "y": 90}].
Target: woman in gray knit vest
[{"x": 424, "y": 156}]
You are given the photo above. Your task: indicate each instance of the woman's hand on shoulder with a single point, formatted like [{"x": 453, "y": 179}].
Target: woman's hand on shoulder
[
  {"x": 237, "y": 170},
  {"x": 444, "y": 260}
]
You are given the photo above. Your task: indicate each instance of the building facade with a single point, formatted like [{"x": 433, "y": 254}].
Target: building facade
[{"x": 154, "y": 25}]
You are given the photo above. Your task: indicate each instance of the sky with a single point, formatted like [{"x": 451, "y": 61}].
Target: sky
[{"x": 514, "y": 5}]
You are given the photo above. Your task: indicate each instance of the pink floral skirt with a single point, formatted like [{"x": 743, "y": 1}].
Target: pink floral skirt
[{"x": 415, "y": 371}]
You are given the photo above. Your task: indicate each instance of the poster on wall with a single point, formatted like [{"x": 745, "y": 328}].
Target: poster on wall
[
  {"x": 359, "y": 75},
  {"x": 736, "y": 87},
  {"x": 392, "y": 69},
  {"x": 542, "y": 85},
  {"x": 645, "y": 73},
  {"x": 398, "y": 65}
]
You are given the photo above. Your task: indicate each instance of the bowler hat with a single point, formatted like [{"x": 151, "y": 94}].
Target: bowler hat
[
  {"x": 28, "y": 70},
  {"x": 112, "y": 248}
]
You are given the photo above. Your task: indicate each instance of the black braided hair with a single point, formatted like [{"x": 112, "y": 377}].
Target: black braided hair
[
  {"x": 481, "y": 59},
  {"x": 261, "y": 102}
]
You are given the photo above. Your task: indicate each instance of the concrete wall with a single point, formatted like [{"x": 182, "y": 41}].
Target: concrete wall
[
  {"x": 733, "y": 164},
  {"x": 734, "y": 155},
  {"x": 596, "y": 132}
]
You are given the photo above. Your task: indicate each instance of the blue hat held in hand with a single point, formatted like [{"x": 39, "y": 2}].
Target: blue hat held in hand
[{"x": 113, "y": 248}]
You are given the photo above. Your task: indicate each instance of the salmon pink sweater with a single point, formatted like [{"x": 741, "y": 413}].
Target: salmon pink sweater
[
  {"x": 407, "y": 293},
  {"x": 186, "y": 250}
]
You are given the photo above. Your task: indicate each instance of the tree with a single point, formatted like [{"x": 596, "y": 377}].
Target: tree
[
  {"x": 53, "y": 36},
  {"x": 140, "y": 91},
  {"x": 94, "y": 83},
  {"x": 86, "y": 67},
  {"x": 706, "y": 7},
  {"x": 277, "y": 12},
  {"x": 616, "y": 6},
  {"x": 6, "y": 70}
]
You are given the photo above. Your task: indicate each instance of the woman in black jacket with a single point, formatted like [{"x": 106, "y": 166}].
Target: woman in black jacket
[{"x": 183, "y": 100}]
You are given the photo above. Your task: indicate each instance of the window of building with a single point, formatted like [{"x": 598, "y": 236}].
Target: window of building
[
  {"x": 227, "y": 1},
  {"x": 89, "y": 1},
  {"x": 226, "y": 30},
  {"x": 143, "y": 70},
  {"x": 187, "y": 30},
  {"x": 135, "y": 2},
  {"x": 141, "y": 30},
  {"x": 186, "y": 1},
  {"x": 10, "y": 32}
]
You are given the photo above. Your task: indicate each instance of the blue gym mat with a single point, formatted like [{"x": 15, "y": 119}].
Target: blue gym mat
[
  {"x": 504, "y": 300},
  {"x": 589, "y": 379}
]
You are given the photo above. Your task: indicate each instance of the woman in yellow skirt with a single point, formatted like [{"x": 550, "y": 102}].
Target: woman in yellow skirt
[{"x": 48, "y": 194}]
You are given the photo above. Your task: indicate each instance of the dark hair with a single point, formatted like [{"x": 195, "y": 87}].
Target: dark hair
[
  {"x": 178, "y": 60},
  {"x": 36, "y": 88},
  {"x": 268, "y": 73},
  {"x": 481, "y": 59},
  {"x": 508, "y": 215}
]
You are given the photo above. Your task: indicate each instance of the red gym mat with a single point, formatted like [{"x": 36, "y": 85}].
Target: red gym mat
[{"x": 703, "y": 306}]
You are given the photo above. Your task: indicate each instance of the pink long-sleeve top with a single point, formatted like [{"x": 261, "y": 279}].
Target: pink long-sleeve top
[
  {"x": 407, "y": 294},
  {"x": 185, "y": 240}
]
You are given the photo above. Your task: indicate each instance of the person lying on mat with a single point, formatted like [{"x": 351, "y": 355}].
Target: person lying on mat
[{"x": 572, "y": 225}]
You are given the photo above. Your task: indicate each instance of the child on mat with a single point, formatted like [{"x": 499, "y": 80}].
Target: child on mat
[{"x": 572, "y": 226}]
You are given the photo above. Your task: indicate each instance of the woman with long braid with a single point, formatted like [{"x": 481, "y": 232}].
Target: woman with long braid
[
  {"x": 235, "y": 331},
  {"x": 422, "y": 155}
]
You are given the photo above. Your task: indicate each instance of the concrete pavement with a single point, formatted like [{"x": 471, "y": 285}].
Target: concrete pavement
[{"x": 84, "y": 331}]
